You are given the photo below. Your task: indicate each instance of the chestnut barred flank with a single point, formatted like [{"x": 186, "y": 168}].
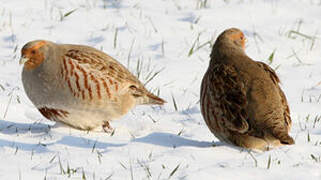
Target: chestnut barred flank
[{"x": 52, "y": 114}]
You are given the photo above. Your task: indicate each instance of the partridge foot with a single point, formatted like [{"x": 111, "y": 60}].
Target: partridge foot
[{"x": 107, "y": 128}]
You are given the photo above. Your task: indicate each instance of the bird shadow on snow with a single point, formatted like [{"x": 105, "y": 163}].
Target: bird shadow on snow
[
  {"x": 113, "y": 4},
  {"x": 18, "y": 146},
  {"x": 86, "y": 143},
  {"x": 7, "y": 127},
  {"x": 41, "y": 129},
  {"x": 171, "y": 140}
]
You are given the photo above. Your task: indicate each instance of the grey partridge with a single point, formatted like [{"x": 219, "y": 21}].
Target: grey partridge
[
  {"x": 79, "y": 85},
  {"x": 241, "y": 100}
]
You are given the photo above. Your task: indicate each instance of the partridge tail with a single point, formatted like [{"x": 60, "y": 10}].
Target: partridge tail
[
  {"x": 288, "y": 140},
  {"x": 282, "y": 135},
  {"x": 152, "y": 99},
  {"x": 249, "y": 142}
]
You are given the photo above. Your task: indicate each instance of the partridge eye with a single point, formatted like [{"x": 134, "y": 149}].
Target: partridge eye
[
  {"x": 242, "y": 37},
  {"x": 33, "y": 52},
  {"x": 133, "y": 87}
]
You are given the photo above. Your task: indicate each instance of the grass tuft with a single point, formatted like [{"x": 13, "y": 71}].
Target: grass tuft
[
  {"x": 174, "y": 103},
  {"x": 109, "y": 177},
  {"x": 7, "y": 107},
  {"x": 196, "y": 46},
  {"x": 271, "y": 57},
  {"x": 62, "y": 171},
  {"x": 252, "y": 156},
  {"x": 63, "y": 16},
  {"x": 83, "y": 177},
  {"x": 122, "y": 165},
  {"x": 180, "y": 132},
  {"x": 94, "y": 146},
  {"x": 174, "y": 171},
  {"x": 115, "y": 38},
  {"x": 201, "y": 4},
  {"x": 316, "y": 159},
  {"x": 269, "y": 163}
]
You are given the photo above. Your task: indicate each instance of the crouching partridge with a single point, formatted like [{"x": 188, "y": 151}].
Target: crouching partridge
[
  {"x": 241, "y": 100},
  {"x": 78, "y": 85}
]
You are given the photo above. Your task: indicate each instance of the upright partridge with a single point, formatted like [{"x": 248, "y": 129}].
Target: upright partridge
[
  {"x": 241, "y": 100},
  {"x": 79, "y": 85}
]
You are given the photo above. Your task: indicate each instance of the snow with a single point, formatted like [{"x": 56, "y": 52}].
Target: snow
[{"x": 161, "y": 142}]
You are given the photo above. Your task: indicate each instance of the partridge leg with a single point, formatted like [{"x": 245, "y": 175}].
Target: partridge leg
[{"x": 107, "y": 128}]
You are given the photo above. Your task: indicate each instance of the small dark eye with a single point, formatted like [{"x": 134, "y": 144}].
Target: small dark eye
[
  {"x": 33, "y": 52},
  {"x": 133, "y": 87},
  {"x": 242, "y": 37}
]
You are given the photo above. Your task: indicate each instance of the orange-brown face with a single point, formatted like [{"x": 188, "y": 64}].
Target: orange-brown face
[
  {"x": 238, "y": 38},
  {"x": 31, "y": 56}
]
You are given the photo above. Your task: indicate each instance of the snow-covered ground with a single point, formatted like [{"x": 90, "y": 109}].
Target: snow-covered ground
[{"x": 166, "y": 42}]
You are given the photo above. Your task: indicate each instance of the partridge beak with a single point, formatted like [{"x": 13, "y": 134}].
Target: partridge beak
[
  {"x": 244, "y": 42},
  {"x": 23, "y": 60}
]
